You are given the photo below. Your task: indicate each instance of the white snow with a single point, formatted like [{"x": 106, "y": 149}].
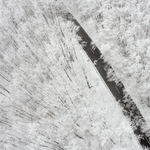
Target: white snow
[{"x": 56, "y": 99}]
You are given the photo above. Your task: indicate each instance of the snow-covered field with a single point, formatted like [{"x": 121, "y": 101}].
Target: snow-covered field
[
  {"x": 121, "y": 31},
  {"x": 51, "y": 97}
]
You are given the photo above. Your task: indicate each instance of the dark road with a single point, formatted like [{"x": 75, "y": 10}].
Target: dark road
[{"x": 129, "y": 108}]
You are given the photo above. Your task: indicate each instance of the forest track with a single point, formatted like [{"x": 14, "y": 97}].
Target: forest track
[{"x": 129, "y": 107}]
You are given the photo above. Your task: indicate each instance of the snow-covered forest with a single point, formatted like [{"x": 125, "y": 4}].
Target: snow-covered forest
[
  {"x": 121, "y": 30},
  {"x": 51, "y": 97}
]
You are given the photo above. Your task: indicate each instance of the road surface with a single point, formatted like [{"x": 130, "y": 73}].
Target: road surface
[{"x": 129, "y": 108}]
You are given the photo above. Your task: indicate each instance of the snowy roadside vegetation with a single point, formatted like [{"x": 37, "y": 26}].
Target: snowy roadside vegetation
[
  {"x": 121, "y": 31},
  {"x": 51, "y": 97}
]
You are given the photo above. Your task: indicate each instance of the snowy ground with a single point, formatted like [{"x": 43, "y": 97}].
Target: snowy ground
[{"x": 51, "y": 96}]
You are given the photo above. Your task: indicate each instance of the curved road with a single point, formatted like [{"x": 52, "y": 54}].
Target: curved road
[{"x": 129, "y": 108}]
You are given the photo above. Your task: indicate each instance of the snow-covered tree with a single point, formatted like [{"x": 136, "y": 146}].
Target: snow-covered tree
[{"x": 51, "y": 96}]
